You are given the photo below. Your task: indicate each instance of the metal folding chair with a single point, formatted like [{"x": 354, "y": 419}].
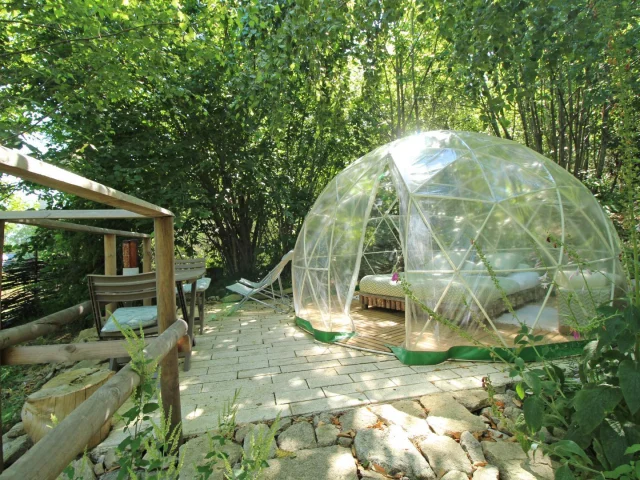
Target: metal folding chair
[{"x": 265, "y": 287}]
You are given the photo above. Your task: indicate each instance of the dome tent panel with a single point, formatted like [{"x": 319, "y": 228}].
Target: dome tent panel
[
  {"x": 488, "y": 236},
  {"x": 510, "y": 179},
  {"x": 454, "y": 226},
  {"x": 461, "y": 178},
  {"x": 331, "y": 259}
]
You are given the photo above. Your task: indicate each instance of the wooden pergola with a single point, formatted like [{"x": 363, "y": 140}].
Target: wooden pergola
[
  {"x": 54, "y": 452},
  {"x": 110, "y": 266}
]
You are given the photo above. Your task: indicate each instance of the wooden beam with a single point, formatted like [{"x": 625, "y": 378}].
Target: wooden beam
[
  {"x": 47, "y": 175},
  {"x": 75, "y": 227},
  {"x": 147, "y": 259},
  {"x": 1, "y": 260},
  {"x": 165, "y": 287},
  {"x": 51, "y": 455},
  {"x": 43, "y": 326},
  {"x": 110, "y": 263},
  {"x": 73, "y": 352},
  {"x": 68, "y": 214}
]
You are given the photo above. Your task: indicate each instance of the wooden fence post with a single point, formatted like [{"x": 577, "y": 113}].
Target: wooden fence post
[
  {"x": 1, "y": 258},
  {"x": 110, "y": 259},
  {"x": 165, "y": 281},
  {"x": 146, "y": 261}
]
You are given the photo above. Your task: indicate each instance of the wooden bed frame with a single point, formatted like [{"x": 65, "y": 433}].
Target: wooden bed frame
[
  {"x": 493, "y": 309},
  {"x": 390, "y": 303}
]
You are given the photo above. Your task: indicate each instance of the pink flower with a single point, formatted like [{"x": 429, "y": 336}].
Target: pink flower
[
  {"x": 395, "y": 277},
  {"x": 576, "y": 334}
]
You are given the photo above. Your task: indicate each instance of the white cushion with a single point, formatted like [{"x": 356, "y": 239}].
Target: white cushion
[
  {"x": 132, "y": 317},
  {"x": 502, "y": 261},
  {"x": 201, "y": 285},
  {"x": 526, "y": 280},
  {"x": 577, "y": 280},
  {"x": 440, "y": 262}
]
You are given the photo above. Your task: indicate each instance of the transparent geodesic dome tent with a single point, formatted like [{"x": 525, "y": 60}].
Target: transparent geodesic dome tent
[{"x": 461, "y": 238}]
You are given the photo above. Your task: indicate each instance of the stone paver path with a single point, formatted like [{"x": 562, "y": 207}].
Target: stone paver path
[{"x": 280, "y": 369}]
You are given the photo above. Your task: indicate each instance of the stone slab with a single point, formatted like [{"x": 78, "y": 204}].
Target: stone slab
[
  {"x": 327, "y": 434},
  {"x": 407, "y": 414},
  {"x": 358, "y": 419},
  {"x": 472, "y": 400},
  {"x": 514, "y": 464},
  {"x": 444, "y": 455},
  {"x": 299, "y": 436},
  {"x": 193, "y": 455},
  {"x": 447, "y": 417},
  {"x": 328, "y": 463},
  {"x": 392, "y": 450}
]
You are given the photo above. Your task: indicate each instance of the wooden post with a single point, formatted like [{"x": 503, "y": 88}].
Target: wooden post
[
  {"x": 165, "y": 287},
  {"x": 1, "y": 258},
  {"x": 110, "y": 264},
  {"x": 146, "y": 262}
]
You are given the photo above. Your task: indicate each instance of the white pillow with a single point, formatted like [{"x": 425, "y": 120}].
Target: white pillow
[
  {"x": 576, "y": 280},
  {"x": 440, "y": 262},
  {"x": 502, "y": 261},
  {"x": 525, "y": 279}
]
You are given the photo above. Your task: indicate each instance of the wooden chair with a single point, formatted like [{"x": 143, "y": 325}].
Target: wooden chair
[
  {"x": 109, "y": 293},
  {"x": 111, "y": 298},
  {"x": 202, "y": 284}
]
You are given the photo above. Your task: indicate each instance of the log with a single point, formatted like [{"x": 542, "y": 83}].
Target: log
[
  {"x": 48, "y": 324},
  {"x": 74, "y": 352},
  {"x": 1, "y": 256},
  {"x": 59, "y": 397},
  {"x": 56, "y": 450}
]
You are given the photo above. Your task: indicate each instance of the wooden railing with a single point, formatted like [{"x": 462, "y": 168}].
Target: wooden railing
[
  {"x": 51, "y": 455},
  {"x": 53, "y": 452}
]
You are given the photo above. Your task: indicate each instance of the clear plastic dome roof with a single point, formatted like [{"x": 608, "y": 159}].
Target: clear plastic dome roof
[{"x": 489, "y": 235}]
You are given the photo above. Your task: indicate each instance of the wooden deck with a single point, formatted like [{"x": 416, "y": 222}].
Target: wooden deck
[{"x": 375, "y": 329}]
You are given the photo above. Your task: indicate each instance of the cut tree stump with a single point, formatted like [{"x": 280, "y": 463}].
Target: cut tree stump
[{"x": 59, "y": 397}]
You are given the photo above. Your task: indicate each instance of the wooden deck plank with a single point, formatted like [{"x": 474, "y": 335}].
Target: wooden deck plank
[{"x": 377, "y": 327}]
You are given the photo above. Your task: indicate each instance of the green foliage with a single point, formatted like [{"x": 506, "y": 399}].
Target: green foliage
[
  {"x": 628, "y": 471},
  {"x": 253, "y": 460},
  {"x": 600, "y": 412},
  {"x": 150, "y": 449},
  {"x": 227, "y": 417},
  {"x": 236, "y": 115}
]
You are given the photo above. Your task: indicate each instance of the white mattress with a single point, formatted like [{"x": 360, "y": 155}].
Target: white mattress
[{"x": 481, "y": 285}]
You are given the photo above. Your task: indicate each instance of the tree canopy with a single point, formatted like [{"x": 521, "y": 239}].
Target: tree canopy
[{"x": 235, "y": 114}]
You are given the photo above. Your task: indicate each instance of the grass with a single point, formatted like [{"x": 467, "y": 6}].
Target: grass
[{"x": 20, "y": 381}]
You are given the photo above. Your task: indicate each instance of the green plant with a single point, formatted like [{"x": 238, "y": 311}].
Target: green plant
[
  {"x": 227, "y": 417},
  {"x": 253, "y": 461},
  {"x": 629, "y": 471},
  {"x": 150, "y": 449}
]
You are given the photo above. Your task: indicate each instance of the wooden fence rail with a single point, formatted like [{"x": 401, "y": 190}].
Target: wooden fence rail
[
  {"x": 44, "y": 326},
  {"x": 51, "y": 455}
]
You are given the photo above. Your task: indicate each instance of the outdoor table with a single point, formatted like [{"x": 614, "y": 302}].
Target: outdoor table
[{"x": 192, "y": 277}]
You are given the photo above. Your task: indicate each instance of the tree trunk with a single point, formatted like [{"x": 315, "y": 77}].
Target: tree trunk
[
  {"x": 604, "y": 138},
  {"x": 59, "y": 397}
]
